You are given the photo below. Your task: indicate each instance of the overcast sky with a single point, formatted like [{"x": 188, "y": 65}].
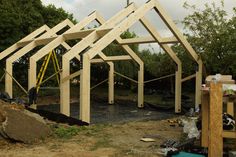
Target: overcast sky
[{"x": 108, "y": 8}]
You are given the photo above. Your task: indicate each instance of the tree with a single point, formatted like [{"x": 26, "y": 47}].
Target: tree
[
  {"x": 19, "y": 18},
  {"x": 212, "y": 33}
]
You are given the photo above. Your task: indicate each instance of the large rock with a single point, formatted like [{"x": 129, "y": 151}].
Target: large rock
[{"x": 22, "y": 125}]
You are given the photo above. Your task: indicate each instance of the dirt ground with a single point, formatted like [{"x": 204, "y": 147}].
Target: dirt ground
[{"x": 100, "y": 140}]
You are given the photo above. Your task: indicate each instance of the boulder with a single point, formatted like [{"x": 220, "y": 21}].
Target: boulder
[{"x": 21, "y": 125}]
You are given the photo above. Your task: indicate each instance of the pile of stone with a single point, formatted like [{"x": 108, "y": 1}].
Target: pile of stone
[{"x": 21, "y": 125}]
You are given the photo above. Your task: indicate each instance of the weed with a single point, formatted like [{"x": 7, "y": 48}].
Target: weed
[{"x": 67, "y": 132}]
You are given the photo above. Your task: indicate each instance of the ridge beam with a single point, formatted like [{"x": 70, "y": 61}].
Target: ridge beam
[{"x": 148, "y": 39}]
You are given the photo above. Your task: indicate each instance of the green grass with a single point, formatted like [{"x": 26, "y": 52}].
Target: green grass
[{"x": 67, "y": 132}]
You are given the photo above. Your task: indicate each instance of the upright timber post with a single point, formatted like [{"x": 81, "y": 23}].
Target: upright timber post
[
  {"x": 215, "y": 147},
  {"x": 198, "y": 84},
  {"x": 172, "y": 26},
  {"x": 140, "y": 85},
  {"x": 65, "y": 88},
  {"x": 111, "y": 83},
  {"x": 8, "y": 80},
  {"x": 178, "y": 84},
  {"x": 85, "y": 89},
  {"x": 178, "y": 88},
  {"x": 32, "y": 73}
]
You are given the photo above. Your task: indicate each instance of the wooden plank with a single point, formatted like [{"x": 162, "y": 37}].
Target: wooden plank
[
  {"x": 85, "y": 89},
  {"x": 148, "y": 39},
  {"x": 44, "y": 41},
  {"x": 172, "y": 26},
  {"x": 88, "y": 41},
  {"x": 229, "y": 134},
  {"x": 140, "y": 86},
  {"x": 160, "y": 78},
  {"x": 118, "y": 30},
  {"x": 111, "y": 83},
  {"x": 215, "y": 147},
  {"x": 205, "y": 119},
  {"x": 77, "y": 34},
  {"x": 50, "y": 33},
  {"x": 35, "y": 33},
  {"x": 65, "y": 85},
  {"x": 14, "y": 47},
  {"x": 178, "y": 89},
  {"x": 188, "y": 78},
  {"x": 118, "y": 58},
  {"x": 126, "y": 77},
  {"x": 102, "y": 32},
  {"x": 57, "y": 28},
  {"x": 27, "y": 49},
  {"x": 75, "y": 74},
  {"x": 178, "y": 84},
  {"x": 83, "y": 23},
  {"x": 230, "y": 108}
]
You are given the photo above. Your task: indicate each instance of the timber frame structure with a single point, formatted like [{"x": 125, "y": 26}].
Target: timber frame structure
[{"x": 91, "y": 44}]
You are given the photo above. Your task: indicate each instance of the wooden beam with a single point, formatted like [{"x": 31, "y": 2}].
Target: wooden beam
[
  {"x": 25, "y": 50},
  {"x": 85, "y": 90},
  {"x": 205, "y": 119},
  {"x": 118, "y": 30},
  {"x": 44, "y": 41},
  {"x": 188, "y": 78},
  {"x": 215, "y": 147},
  {"x": 159, "y": 78},
  {"x": 178, "y": 86},
  {"x": 149, "y": 39},
  {"x": 229, "y": 134},
  {"x": 65, "y": 85},
  {"x": 77, "y": 34},
  {"x": 79, "y": 47},
  {"x": 171, "y": 25},
  {"x": 16, "y": 46},
  {"x": 75, "y": 74},
  {"x": 83, "y": 23},
  {"x": 57, "y": 28},
  {"x": 126, "y": 77},
  {"x": 111, "y": 83},
  {"x": 35, "y": 33}
]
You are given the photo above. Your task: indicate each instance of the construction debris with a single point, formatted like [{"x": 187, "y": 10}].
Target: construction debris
[
  {"x": 18, "y": 124},
  {"x": 147, "y": 139}
]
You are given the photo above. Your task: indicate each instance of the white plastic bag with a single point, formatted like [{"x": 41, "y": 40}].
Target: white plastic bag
[{"x": 190, "y": 128}]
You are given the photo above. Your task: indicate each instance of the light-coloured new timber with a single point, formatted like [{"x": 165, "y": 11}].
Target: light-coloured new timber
[
  {"x": 92, "y": 42},
  {"x": 26, "y": 49},
  {"x": 171, "y": 25},
  {"x": 150, "y": 39},
  {"x": 86, "y": 42},
  {"x": 16, "y": 46}
]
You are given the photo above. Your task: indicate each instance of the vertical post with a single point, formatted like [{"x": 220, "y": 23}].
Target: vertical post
[
  {"x": 111, "y": 83},
  {"x": 205, "y": 118},
  {"x": 85, "y": 89},
  {"x": 65, "y": 88},
  {"x": 8, "y": 79},
  {"x": 198, "y": 84},
  {"x": 216, "y": 127},
  {"x": 230, "y": 107},
  {"x": 178, "y": 89},
  {"x": 140, "y": 85},
  {"x": 32, "y": 73}
]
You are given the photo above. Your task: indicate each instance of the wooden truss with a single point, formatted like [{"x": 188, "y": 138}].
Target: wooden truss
[{"x": 92, "y": 42}]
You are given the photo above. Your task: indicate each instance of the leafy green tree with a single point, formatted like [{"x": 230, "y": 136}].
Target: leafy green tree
[
  {"x": 212, "y": 33},
  {"x": 18, "y": 18}
]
